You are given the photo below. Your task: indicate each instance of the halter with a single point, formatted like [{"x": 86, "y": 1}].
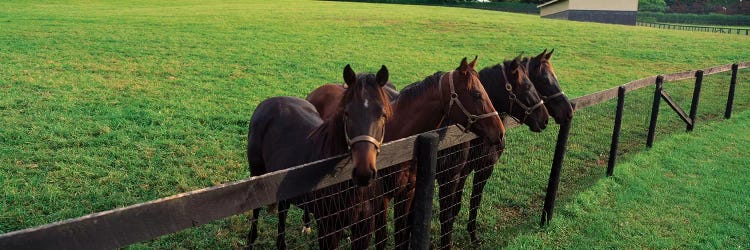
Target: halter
[
  {"x": 548, "y": 98},
  {"x": 512, "y": 98},
  {"x": 362, "y": 138},
  {"x": 471, "y": 118}
]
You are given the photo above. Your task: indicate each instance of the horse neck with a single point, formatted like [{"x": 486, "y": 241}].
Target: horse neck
[
  {"x": 493, "y": 80},
  {"x": 329, "y": 138},
  {"x": 417, "y": 114}
]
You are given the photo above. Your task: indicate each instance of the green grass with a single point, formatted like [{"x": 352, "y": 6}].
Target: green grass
[
  {"x": 689, "y": 191},
  {"x": 105, "y": 104}
]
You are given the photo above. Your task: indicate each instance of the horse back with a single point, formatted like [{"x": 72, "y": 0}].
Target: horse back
[
  {"x": 279, "y": 130},
  {"x": 326, "y": 99}
]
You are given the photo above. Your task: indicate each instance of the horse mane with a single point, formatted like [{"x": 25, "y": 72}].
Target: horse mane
[
  {"x": 507, "y": 63},
  {"x": 328, "y": 138},
  {"x": 492, "y": 76},
  {"x": 416, "y": 89}
]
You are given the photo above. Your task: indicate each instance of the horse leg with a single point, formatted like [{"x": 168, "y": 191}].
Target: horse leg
[
  {"x": 381, "y": 223},
  {"x": 401, "y": 209},
  {"x": 281, "y": 236},
  {"x": 253, "y": 234},
  {"x": 481, "y": 176},
  {"x": 445, "y": 199},
  {"x": 361, "y": 229},
  {"x": 329, "y": 232},
  {"x": 306, "y": 229}
]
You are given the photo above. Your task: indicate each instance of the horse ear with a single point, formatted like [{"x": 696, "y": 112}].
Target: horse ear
[
  {"x": 549, "y": 54},
  {"x": 515, "y": 64},
  {"x": 463, "y": 65},
  {"x": 473, "y": 63},
  {"x": 517, "y": 60},
  {"x": 540, "y": 56},
  {"x": 382, "y": 77},
  {"x": 349, "y": 76}
]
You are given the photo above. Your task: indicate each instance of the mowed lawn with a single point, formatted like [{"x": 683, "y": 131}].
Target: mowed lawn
[
  {"x": 105, "y": 104},
  {"x": 689, "y": 191}
]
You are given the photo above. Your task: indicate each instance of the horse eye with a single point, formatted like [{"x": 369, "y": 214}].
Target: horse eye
[{"x": 476, "y": 94}]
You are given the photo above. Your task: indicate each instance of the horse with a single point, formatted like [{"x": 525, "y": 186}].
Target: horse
[
  {"x": 513, "y": 94},
  {"x": 542, "y": 74},
  {"x": 288, "y": 131}
]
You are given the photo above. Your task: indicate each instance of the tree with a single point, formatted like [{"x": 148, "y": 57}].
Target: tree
[{"x": 652, "y": 5}]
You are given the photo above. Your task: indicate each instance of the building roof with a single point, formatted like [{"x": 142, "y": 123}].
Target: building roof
[{"x": 548, "y": 3}]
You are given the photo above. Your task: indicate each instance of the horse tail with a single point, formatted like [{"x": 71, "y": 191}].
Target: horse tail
[{"x": 259, "y": 123}]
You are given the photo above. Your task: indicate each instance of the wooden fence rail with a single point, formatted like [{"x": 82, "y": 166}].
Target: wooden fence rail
[
  {"x": 123, "y": 226},
  {"x": 724, "y": 30}
]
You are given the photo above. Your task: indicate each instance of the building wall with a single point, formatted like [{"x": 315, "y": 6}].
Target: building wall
[
  {"x": 601, "y": 11},
  {"x": 617, "y": 5},
  {"x": 554, "y": 8},
  {"x": 603, "y": 16}
]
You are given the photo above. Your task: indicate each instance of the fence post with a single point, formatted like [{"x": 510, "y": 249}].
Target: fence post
[
  {"x": 654, "y": 111},
  {"x": 421, "y": 214},
  {"x": 554, "y": 176},
  {"x": 730, "y": 98},
  {"x": 696, "y": 99},
  {"x": 616, "y": 131}
]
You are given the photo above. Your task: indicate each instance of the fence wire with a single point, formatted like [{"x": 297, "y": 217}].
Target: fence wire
[{"x": 513, "y": 185}]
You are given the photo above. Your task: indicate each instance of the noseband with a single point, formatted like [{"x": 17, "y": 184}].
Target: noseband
[
  {"x": 471, "y": 118},
  {"x": 512, "y": 98},
  {"x": 548, "y": 98},
  {"x": 363, "y": 138}
]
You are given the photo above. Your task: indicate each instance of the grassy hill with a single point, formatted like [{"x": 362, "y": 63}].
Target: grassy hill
[
  {"x": 687, "y": 192},
  {"x": 110, "y": 103}
]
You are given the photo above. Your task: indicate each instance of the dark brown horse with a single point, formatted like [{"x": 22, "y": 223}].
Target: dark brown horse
[
  {"x": 513, "y": 94},
  {"x": 543, "y": 76},
  {"x": 287, "y": 131}
]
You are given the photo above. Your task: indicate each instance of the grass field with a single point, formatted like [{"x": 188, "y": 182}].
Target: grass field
[
  {"x": 109, "y": 103},
  {"x": 689, "y": 191}
]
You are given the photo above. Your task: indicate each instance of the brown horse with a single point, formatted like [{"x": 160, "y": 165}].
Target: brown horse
[
  {"x": 513, "y": 94},
  {"x": 543, "y": 76},
  {"x": 287, "y": 131},
  {"x": 421, "y": 107}
]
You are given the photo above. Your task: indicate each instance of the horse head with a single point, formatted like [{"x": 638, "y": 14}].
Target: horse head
[
  {"x": 523, "y": 101},
  {"x": 542, "y": 75},
  {"x": 473, "y": 108},
  {"x": 364, "y": 109}
]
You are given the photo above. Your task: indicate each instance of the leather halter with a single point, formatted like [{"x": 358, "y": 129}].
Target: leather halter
[
  {"x": 553, "y": 96},
  {"x": 512, "y": 98},
  {"x": 363, "y": 138},
  {"x": 471, "y": 118}
]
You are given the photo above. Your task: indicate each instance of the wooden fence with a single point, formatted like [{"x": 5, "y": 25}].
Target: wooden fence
[
  {"x": 724, "y": 30},
  {"x": 123, "y": 226}
]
